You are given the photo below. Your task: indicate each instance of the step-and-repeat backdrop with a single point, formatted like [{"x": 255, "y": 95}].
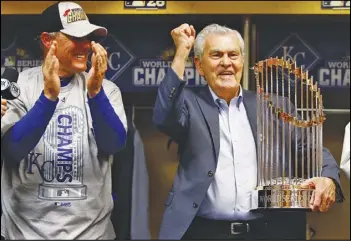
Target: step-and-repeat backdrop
[{"x": 140, "y": 48}]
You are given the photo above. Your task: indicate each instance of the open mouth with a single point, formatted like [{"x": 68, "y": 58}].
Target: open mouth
[
  {"x": 226, "y": 73},
  {"x": 80, "y": 56}
]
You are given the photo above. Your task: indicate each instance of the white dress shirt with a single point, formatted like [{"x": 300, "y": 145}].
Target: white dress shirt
[
  {"x": 345, "y": 155},
  {"x": 229, "y": 195}
]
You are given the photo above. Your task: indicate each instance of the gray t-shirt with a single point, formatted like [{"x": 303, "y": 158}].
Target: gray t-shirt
[{"x": 62, "y": 189}]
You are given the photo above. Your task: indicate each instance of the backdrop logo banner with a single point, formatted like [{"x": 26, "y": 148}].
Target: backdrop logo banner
[
  {"x": 150, "y": 71},
  {"x": 295, "y": 49},
  {"x": 335, "y": 73},
  {"x": 119, "y": 57},
  {"x": 16, "y": 57}
]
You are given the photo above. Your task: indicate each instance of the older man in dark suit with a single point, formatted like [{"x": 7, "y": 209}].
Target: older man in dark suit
[{"x": 215, "y": 131}]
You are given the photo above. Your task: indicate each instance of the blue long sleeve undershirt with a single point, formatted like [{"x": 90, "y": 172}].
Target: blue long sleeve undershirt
[
  {"x": 25, "y": 134},
  {"x": 109, "y": 131}
]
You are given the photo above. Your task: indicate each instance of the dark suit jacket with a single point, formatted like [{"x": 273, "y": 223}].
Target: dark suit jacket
[{"x": 190, "y": 118}]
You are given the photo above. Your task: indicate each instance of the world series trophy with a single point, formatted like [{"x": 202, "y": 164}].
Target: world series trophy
[{"x": 289, "y": 135}]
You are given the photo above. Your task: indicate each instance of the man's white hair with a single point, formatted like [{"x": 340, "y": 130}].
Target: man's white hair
[{"x": 214, "y": 29}]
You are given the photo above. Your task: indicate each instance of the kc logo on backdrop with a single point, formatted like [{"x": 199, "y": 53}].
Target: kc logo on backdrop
[
  {"x": 336, "y": 73},
  {"x": 295, "y": 49},
  {"x": 119, "y": 57}
]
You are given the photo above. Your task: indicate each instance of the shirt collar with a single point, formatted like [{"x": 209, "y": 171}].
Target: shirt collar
[
  {"x": 216, "y": 98},
  {"x": 66, "y": 80}
]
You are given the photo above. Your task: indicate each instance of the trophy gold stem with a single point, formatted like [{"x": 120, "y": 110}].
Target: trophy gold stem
[
  {"x": 308, "y": 130},
  {"x": 302, "y": 130},
  {"x": 259, "y": 140},
  {"x": 313, "y": 135},
  {"x": 283, "y": 130},
  {"x": 320, "y": 144},
  {"x": 277, "y": 124},
  {"x": 271, "y": 128},
  {"x": 289, "y": 110},
  {"x": 263, "y": 178},
  {"x": 318, "y": 134},
  {"x": 266, "y": 128},
  {"x": 296, "y": 129}
]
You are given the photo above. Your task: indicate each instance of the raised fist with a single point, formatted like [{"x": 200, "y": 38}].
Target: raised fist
[{"x": 183, "y": 37}]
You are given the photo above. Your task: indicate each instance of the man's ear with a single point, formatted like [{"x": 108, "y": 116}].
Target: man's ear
[
  {"x": 46, "y": 39},
  {"x": 198, "y": 66}
]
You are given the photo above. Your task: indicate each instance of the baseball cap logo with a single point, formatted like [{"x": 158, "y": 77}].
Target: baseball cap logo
[
  {"x": 76, "y": 14},
  {"x": 66, "y": 12}
]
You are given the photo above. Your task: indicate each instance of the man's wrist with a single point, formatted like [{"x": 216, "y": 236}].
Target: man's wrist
[
  {"x": 338, "y": 192},
  {"x": 50, "y": 96},
  {"x": 92, "y": 93}
]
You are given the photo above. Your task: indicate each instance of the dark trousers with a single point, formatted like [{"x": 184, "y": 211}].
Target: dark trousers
[{"x": 275, "y": 225}]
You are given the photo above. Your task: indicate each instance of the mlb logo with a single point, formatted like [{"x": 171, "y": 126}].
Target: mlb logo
[
  {"x": 144, "y": 4},
  {"x": 134, "y": 3},
  {"x": 335, "y": 4},
  {"x": 118, "y": 58}
]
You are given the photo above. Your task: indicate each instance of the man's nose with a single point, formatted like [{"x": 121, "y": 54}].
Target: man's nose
[{"x": 225, "y": 60}]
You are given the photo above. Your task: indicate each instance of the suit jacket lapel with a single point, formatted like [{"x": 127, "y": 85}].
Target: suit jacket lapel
[{"x": 210, "y": 112}]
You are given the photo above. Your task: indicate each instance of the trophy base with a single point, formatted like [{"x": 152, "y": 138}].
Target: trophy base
[
  {"x": 281, "y": 198},
  {"x": 61, "y": 193}
]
